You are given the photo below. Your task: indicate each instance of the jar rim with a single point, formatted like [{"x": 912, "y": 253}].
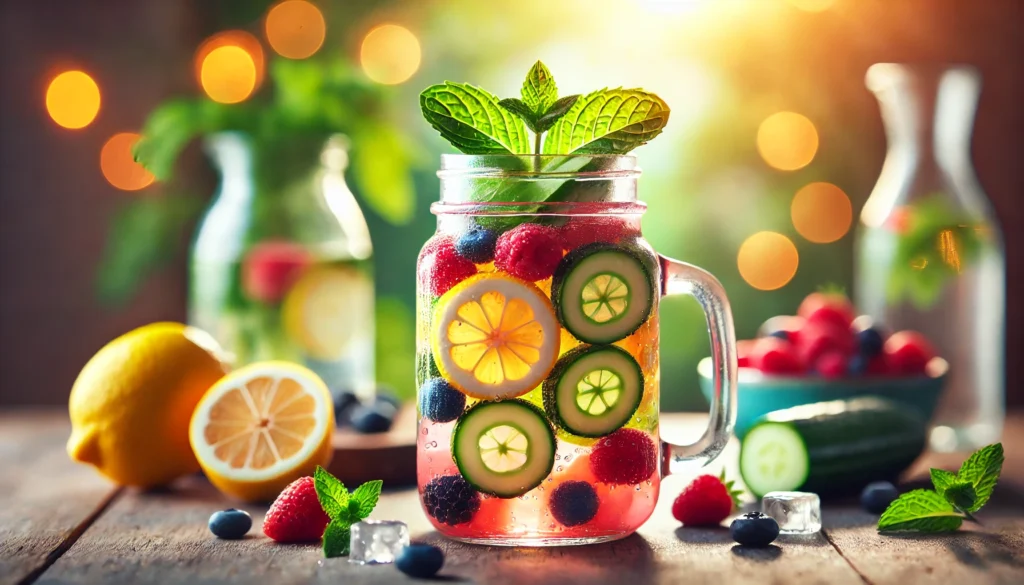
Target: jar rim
[
  {"x": 579, "y": 167},
  {"x": 540, "y": 209}
]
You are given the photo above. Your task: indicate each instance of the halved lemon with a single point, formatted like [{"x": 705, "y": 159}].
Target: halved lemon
[
  {"x": 495, "y": 336},
  {"x": 261, "y": 427}
]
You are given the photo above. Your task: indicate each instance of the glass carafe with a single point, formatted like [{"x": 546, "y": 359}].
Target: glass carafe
[
  {"x": 538, "y": 365},
  {"x": 281, "y": 262},
  {"x": 930, "y": 252}
]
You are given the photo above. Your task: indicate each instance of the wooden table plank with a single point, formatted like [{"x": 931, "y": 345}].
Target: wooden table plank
[{"x": 45, "y": 499}]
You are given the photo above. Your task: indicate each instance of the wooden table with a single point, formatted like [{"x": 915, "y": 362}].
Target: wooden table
[{"x": 62, "y": 523}]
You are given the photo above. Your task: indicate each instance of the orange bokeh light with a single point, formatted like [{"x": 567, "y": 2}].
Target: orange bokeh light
[
  {"x": 767, "y": 260},
  {"x": 787, "y": 141},
  {"x": 228, "y": 74},
  {"x": 390, "y": 54},
  {"x": 119, "y": 166},
  {"x": 73, "y": 99},
  {"x": 234, "y": 38},
  {"x": 295, "y": 29},
  {"x": 821, "y": 212},
  {"x": 812, "y": 5}
]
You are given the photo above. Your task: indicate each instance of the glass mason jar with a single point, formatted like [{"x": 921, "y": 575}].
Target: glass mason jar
[
  {"x": 537, "y": 343},
  {"x": 281, "y": 262},
  {"x": 930, "y": 254}
]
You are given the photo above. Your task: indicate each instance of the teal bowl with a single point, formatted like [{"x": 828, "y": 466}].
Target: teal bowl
[{"x": 759, "y": 394}]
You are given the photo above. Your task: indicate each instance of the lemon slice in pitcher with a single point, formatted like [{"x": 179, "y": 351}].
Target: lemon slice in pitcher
[{"x": 495, "y": 336}]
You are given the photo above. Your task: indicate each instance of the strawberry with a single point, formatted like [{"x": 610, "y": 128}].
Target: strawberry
[
  {"x": 529, "y": 251},
  {"x": 744, "y": 347},
  {"x": 271, "y": 268},
  {"x": 827, "y": 307},
  {"x": 706, "y": 501},
  {"x": 296, "y": 515},
  {"x": 907, "y": 352},
  {"x": 772, "y": 355},
  {"x": 440, "y": 267},
  {"x": 832, "y": 364},
  {"x": 627, "y": 456},
  {"x": 819, "y": 338}
]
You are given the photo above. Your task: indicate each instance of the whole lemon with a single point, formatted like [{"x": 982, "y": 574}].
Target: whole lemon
[{"x": 131, "y": 404}]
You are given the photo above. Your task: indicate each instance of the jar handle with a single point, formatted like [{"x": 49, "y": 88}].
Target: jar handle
[{"x": 682, "y": 278}]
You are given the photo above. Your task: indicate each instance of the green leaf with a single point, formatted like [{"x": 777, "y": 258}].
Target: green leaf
[
  {"x": 982, "y": 471},
  {"x": 367, "y": 495},
  {"x": 961, "y": 495},
  {"x": 539, "y": 90},
  {"x": 556, "y": 111},
  {"x": 608, "y": 121},
  {"x": 381, "y": 166},
  {"x": 332, "y": 495},
  {"x": 942, "y": 479},
  {"x": 920, "y": 511},
  {"x": 336, "y": 539},
  {"x": 519, "y": 108},
  {"x": 471, "y": 119},
  {"x": 166, "y": 132}
]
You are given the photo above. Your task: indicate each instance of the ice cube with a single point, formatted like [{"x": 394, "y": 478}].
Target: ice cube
[
  {"x": 796, "y": 512},
  {"x": 377, "y": 542}
]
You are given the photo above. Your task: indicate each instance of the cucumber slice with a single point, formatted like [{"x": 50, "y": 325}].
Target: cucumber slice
[
  {"x": 602, "y": 292},
  {"x": 504, "y": 448},
  {"x": 593, "y": 390},
  {"x": 775, "y": 459}
]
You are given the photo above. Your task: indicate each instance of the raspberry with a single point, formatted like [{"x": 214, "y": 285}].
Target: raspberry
[
  {"x": 626, "y": 456},
  {"x": 271, "y": 268},
  {"x": 705, "y": 502},
  {"x": 451, "y": 500},
  {"x": 772, "y": 355},
  {"x": 907, "y": 352},
  {"x": 296, "y": 515},
  {"x": 574, "y": 503},
  {"x": 832, "y": 364},
  {"x": 529, "y": 251},
  {"x": 441, "y": 267},
  {"x": 477, "y": 245},
  {"x": 580, "y": 231}
]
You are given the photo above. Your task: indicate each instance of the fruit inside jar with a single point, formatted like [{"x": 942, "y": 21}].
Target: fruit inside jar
[{"x": 538, "y": 374}]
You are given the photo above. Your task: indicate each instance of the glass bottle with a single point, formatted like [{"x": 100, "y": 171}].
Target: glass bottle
[
  {"x": 930, "y": 254},
  {"x": 281, "y": 262}
]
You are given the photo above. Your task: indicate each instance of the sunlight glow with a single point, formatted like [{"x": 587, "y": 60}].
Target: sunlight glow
[
  {"x": 73, "y": 99},
  {"x": 821, "y": 212},
  {"x": 228, "y": 74},
  {"x": 787, "y": 141},
  {"x": 390, "y": 54},
  {"x": 767, "y": 260},
  {"x": 295, "y": 29},
  {"x": 812, "y": 5},
  {"x": 119, "y": 166}
]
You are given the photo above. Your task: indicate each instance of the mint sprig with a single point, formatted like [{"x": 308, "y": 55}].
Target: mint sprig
[
  {"x": 343, "y": 508},
  {"x": 957, "y": 496}
]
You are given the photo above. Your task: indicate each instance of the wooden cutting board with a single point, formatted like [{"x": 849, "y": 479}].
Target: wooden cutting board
[{"x": 389, "y": 456}]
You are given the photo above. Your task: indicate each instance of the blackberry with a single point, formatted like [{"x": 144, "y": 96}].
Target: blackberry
[
  {"x": 451, "y": 500},
  {"x": 574, "y": 503}
]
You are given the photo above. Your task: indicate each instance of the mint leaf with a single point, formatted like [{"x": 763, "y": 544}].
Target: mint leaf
[
  {"x": 539, "y": 90},
  {"x": 366, "y": 496},
  {"x": 332, "y": 494},
  {"x": 556, "y": 111},
  {"x": 608, "y": 121},
  {"x": 921, "y": 511},
  {"x": 942, "y": 479},
  {"x": 471, "y": 119},
  {"x": 961, "y": 495},
  {"x": 982, "y": 471},
  {"x": 336, "y": 539},
  {"x": 519, "y": 108}
]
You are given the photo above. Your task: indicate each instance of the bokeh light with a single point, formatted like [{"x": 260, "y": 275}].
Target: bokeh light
[
  {"x": 228, "y": 74},
  {"x": 390, "y": 54},
  {"x": 821, "y": 212},
  {"x": 295, "y": 29},
  {"x": 812, "y": 5},
  {"x": 232, "y": 38},
  {"x": 73, "y": 99},
  {"x": 767, "y": 260},
  {"x": 787, "y": 141},
  {"x": 119, "y": 166}
]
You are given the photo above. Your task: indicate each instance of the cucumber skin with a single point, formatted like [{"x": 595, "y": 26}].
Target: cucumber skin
[
  {"x": 851, "y": 443},
  {"x": 550, "y": 387}
]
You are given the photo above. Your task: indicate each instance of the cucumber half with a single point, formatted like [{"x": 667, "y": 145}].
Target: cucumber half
[
  {"x": 602, "y": 292},
  {"x": 593, "y": 390},
  {"x": 504, "y": 448}
]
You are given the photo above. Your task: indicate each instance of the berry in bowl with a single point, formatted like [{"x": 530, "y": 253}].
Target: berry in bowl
[{"x": 826, "y": 353}]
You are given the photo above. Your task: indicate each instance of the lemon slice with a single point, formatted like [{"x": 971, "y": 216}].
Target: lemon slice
[
  {"x": 495, "y": 336},
  {"x": 261, "y": 427},
  {"x": 325, "y": 308}
]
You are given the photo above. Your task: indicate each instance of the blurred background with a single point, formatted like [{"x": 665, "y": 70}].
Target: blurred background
[{"x": 767, "y": 97}]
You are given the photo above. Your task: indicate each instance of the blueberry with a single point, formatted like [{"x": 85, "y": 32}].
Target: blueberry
[
  {"x": 420, "y": 560},
  {"x": 781, "y": 334},
  {"x": 440, "y": 401},
  {"x": 877, "y": 496},
  {"x": 373, "y": 419},
  {"x": 869, "y": 342},
  {"x": 344, "y": 402},
  {"x": 574, "y": 503},
  {"x": 450, "y": 499},
  {"x": 858, "y": 365},
  {"x": 231, "y": 523},
  {"x": 387, "y": 394},
  {"x": 477, "y": 245},
  {"x": 754, "y": 529}
]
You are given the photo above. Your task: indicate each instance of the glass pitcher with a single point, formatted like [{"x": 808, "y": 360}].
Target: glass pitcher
[{"x": 537, "y": 345}]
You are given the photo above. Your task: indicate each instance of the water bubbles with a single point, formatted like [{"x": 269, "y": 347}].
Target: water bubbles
[
  {"x": 432, "y": 444},
  {"x": 557, "y": 456},
  {"x": 559, "y": 468},
  {"x": 637, "y": 487},
  {"x": 425, "y": 431},
  {"x": 567, "y": 458}
]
